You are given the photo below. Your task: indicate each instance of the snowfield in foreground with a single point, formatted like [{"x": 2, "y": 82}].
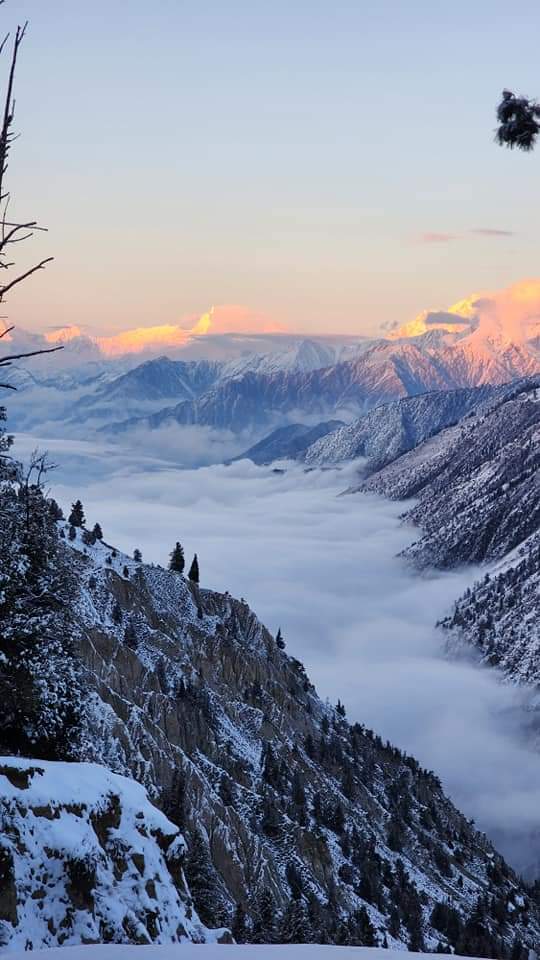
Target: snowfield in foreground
[{"x": 190, "y": 951}]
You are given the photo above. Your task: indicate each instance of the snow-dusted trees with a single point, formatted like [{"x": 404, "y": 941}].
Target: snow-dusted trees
[
  {"x": 76, "y": 517},
  {"x": 203, "y": 880},
  {"x": 176, "y": 560},
  {"x": 519, "y": 121},
  {"x": 194, "y": 570},
  {"x": 40, "y": 686}
]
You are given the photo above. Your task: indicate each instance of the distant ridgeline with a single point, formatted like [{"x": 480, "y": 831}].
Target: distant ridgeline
[{"x": 299, "y": 827}]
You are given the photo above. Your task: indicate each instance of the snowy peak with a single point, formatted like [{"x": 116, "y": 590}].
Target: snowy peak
[{"x": 483, "y": 322}]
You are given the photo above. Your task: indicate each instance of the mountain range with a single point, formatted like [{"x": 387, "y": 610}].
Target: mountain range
[{"x": 251, "y": 384}]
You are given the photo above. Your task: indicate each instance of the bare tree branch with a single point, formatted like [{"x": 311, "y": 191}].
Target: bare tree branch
[
  {"x": 23, "y": 276},
  {"x": 13, "y": 231},
  {"x": 6, "y": 361}
]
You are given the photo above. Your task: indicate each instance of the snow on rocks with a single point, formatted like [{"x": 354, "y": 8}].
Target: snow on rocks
[{"x": 86, "y": 858}]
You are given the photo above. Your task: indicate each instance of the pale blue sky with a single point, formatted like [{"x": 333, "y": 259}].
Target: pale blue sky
[{"x": 284, "y": 155}]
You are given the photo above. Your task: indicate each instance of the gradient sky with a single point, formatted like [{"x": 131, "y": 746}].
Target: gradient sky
[{"x": 324, "y": 163}]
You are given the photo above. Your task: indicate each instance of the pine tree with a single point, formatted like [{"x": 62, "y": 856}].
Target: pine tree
[
  {"x": 76, "y": 517},
  {"x": 295, "y": 926},
  {"x": 194, "y": 570},
  {"x": 137, "y": 555},
  {"x": 130, "y": 635},
  {"x": 55, "y": 510},
  {"x": 116, "y": 613},
  {"x": 40, "y": 675},
  {"x": 279, "y": 639},
  {"x": 226, "y": 790},
  {"x": 203, "y": 881},
  {"x": 239, "y": 927},
  {"x": 519, "y": 121},
  {"x": 98, "y": 532},
  {"x": 177, "y": 561},
  {"x": 264, "y": 926}
]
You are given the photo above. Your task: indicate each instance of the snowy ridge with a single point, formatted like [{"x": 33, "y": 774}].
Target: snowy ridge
[
  {"x": 85, "y": 857},
  {"x": 386, "y": 432},
  {"x": 476, "y": 483}
]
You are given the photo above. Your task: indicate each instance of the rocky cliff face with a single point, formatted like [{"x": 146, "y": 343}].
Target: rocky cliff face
[
  {"x": 292, "y": 813},
  {"x": 86, "y": 858}
]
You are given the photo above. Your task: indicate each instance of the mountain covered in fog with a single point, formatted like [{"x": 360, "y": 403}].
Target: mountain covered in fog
[{"x": 299, "y": 826}]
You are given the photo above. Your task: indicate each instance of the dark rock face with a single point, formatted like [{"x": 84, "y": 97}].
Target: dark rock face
[{"x": 277, "y": 792}]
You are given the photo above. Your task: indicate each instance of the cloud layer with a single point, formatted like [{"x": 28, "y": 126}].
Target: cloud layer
[{"x": 324, "y": 568}]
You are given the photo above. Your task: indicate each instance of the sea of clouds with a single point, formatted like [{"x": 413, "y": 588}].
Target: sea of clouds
[{"x": 325, "y": 568}]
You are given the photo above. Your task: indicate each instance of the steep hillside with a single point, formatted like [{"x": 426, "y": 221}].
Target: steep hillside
[
  {"x": 500, "y": 616},
  {"x": 299, "y": 825},
  {"x": 476, "y": 484},
  {"x": 86, "y": 858},
  {"x": 386, "y": 432},
  {"x": 290, "y": 442}
]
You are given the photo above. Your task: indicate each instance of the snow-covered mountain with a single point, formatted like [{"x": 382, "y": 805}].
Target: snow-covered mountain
[
  {"x": 476, "y": 487},
  {"x": 475, "y": 343},
  {"x": 386, "y": 432},
  {"x": 290, "y": 811},
  {"x": 476, "y": 484},
  {"x": 290, "y": 442},
  {"x": 265, "y": 380}
]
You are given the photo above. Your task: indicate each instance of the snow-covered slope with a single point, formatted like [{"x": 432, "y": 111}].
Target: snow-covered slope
[
  {"x": 476, "y": 490},
  {"x": 386, "y": 432},
  {"x": 267, "y": 381},
  {"x": 315, "y": 827},
  {"x": 500, "y": 615},
  {"x": 86, "y": 858},
  {"x": 477, "y": 484},
  {"x": 290, "y": 442},
  {"x": 387, "y": 371}
]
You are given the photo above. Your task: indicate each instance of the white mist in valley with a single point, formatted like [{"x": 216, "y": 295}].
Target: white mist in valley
[{"x": 325, "y": 569}]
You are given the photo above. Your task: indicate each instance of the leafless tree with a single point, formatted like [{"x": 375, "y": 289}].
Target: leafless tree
[{"x": 12, "y": 232}]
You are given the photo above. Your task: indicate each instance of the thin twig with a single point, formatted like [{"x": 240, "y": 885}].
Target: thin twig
[
  {"x": 5, "y": 361},
  {"x": 23, "y": 276}
]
